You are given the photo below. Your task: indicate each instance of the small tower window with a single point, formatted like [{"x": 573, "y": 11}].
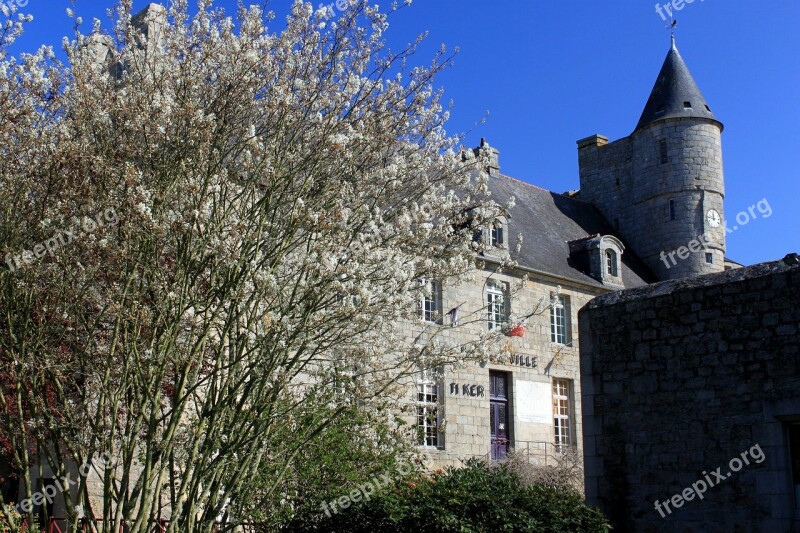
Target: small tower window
[
  {"x": 710, "y": 258},
  {"x": 672, "y": 215},
  {"x": 708, "y": 108},
  {"x": 611, "y": 263},
  {"x": 662, "y": 151},
  {"x": 687, "y": 105}
]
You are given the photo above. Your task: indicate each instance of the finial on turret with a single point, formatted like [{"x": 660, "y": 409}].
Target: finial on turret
[{"x": 671, "y": 27}]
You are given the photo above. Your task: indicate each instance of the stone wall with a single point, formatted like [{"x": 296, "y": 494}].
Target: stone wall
[{"x": 681, "y": 377}]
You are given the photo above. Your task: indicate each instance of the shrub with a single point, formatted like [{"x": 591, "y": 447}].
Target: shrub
[
  {"x": 357, "y": 444},
  {"x": 477, "y": 498},
  {"x": 562, "y": 471}
]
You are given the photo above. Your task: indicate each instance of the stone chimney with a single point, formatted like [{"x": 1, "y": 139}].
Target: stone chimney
[
  {"x": 97, "y": 50},
  {"x": 595, "y": 141},
  {"x": 493, "y": 166},
  {"x": 151, "y": 21}
]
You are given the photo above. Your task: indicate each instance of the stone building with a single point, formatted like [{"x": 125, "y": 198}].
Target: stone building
[
  {"x": 649, "y": 208},
  {"x": 691, "y": 402},
  {"x": 569, "y": 255}
]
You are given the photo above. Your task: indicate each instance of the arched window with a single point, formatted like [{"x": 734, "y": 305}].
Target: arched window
[{"x": 611, "y": 263}]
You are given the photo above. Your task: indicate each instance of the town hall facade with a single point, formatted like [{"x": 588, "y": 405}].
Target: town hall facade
[{"x": 649, "y": 209}]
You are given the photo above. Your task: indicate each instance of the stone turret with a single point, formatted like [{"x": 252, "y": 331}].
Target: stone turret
[{"x": 663, "y": 186}]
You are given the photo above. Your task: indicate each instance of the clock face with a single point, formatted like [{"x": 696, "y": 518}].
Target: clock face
[{"x": 713, "y": 218}]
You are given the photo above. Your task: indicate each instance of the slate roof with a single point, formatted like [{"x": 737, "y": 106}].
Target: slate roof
[
  {"x": 547, "y": 222},
  {"x": 675, "y": 86}
]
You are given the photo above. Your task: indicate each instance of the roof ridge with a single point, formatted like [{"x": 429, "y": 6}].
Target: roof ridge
[{"x": 563, "y": 195}]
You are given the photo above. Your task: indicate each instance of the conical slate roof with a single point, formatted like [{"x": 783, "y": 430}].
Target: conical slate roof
[{"x": 675, "y": 94}]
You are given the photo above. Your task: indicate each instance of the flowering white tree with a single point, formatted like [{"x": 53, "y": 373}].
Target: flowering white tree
[{"x": 277, "y": 197}]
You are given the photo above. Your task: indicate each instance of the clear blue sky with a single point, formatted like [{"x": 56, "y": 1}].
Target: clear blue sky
[{"x": 552, "y": 72}]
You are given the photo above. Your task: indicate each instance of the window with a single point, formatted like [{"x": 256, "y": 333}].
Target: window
[
  {"x": 427, "y": 411},
  {"x": 662, "y": 151},
  {"x": 430, "y": 309},
  {"x": 562, "y": 414},
  {"x": 611, "y": 263},
  {"x": 559, "y": 327},
  {"x": 671, "y": 210},
  {"x": 687, "y": 105},
  {"x": 709, "y": 258},
  {"x": 496, "y": 305},
  {"x": 497, "y": 237}
]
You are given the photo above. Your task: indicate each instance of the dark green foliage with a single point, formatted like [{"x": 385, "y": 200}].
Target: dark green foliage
[
  {"x": 334, "y": 448},
  {"x": 477, "y": 498}
]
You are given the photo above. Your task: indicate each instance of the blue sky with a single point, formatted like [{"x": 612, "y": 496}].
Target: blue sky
[{"x": 552, "y": 72}]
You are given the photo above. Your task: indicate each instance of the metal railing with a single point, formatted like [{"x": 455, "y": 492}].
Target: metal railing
[{"x": 543, "y": 452}]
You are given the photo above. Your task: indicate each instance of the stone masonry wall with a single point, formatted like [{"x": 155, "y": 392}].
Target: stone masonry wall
[
  {"x": 681, "y": 377},
  {"x": 693, "y": 179}
]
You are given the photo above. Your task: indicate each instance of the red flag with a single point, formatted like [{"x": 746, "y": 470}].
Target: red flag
[{"x": 518, "y": 331}]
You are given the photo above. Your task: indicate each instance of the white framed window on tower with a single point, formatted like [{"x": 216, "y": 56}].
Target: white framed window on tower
[
  {"x": 427, "y": 411},
  {"x": 496, "y": 305},
  {"x": 430, "y": 301},
  {"x": 559, "y": 321},
  {"x": 562, "y": 413}
]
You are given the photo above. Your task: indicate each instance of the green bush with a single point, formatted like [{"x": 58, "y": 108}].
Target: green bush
[
  {"x": 357, "y": 443},
  {"x": 477, "y": 498}
]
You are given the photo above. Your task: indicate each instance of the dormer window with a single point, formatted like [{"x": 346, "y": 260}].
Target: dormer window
[
  {"x": 612, "y": 265},
  {"x": 497, "y": 235},
  {"x": 599, "y": 256}
]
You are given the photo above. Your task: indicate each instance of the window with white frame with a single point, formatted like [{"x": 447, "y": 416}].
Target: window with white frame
[
  {"x": 497, "y": 235},
  {"x": 562, "y": 413},
  {"x": 429, "y": 303},
  {"x": 559, "y": 321},
  {"x": 497, "y": 315},
  {"x": 612, "y": 266},
  {"x": 427, "y": 411}
]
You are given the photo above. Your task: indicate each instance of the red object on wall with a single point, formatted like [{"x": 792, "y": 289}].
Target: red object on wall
[{"x": 518, "y": 331}]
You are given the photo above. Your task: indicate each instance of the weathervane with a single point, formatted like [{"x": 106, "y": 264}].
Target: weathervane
[{"x": 671, "y": 27}]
